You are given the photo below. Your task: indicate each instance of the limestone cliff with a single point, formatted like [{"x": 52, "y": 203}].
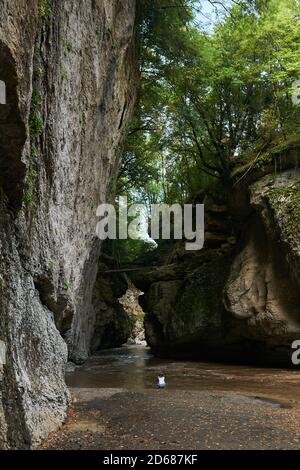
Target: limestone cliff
[
  {"x": 262, "y": 292},
  {"x": 112, "y": 324},
  {"x": 71, "y": 78},
  {"x": 183, "y": 296},
  {"x": 239, "y": 300}
]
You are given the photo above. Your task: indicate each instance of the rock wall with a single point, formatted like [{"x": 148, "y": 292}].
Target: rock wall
[
  {"x": 183, "y": 296},
  {"x": 71, "y": 78},
  {"x": 131, "y": 305},
  {"x": 112, "y": 324},
  {"x": 262, "y": 292},
  {"x": 183, "y": 304},
  {"x": 237, "y": 302}
]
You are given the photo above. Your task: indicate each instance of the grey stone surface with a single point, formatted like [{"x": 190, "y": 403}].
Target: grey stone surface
[
  {"x": 241, "y": 302},
  {"x": 71, "y": 79},
  {"x": 263, "y": 287}
]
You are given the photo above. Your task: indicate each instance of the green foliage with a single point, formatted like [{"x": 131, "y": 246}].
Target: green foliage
[
  {"x": 285, "y": 201},
  {"x": 257, "y": 158},
  {"x": 64, "y": 74},
  {"x": 214, "y": 103},
  {"x": 69, "y": 46},
  {"x": 129, "y": 251},
  {"x": 210, "y": 97},
  {"x": 44, "y": 9},
  {"x": 28, "y": 198},
  {"x": 82, "y": 120},
  {"x": 162, "y": 40},
  {"x": 36, "y": 125},
  {"x": 163, "y": 31}
]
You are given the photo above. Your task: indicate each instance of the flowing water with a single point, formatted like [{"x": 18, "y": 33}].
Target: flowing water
[{"x": 134, "y": 368}]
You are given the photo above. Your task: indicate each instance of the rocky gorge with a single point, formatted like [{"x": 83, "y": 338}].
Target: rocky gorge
[
  {"x": 230, "y": 301},
  {"x": 72, "y": 79}
]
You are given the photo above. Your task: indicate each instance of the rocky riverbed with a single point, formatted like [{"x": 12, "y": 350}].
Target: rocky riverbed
[{"x": 205, "y": 406}]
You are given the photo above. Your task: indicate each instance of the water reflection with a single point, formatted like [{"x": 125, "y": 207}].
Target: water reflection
[{"x": 134, "y": 368}]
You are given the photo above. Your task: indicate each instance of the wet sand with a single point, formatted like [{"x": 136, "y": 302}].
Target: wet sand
[{"x": 205, "y": 406}]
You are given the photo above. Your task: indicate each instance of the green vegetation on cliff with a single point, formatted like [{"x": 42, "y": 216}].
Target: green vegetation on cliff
[
  {"x": 285, "y": 201},
  {"x": 211, "y": 97},
  {"x": 217, "y": 102}
]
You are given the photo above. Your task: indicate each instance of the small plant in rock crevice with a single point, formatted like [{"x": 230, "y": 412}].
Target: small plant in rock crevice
[
  {"x": 45, "y": 10},
  {"x": 36, "y": 125}
]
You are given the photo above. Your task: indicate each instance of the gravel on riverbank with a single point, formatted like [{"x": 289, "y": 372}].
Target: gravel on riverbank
[{"x": 175, "y": 419}]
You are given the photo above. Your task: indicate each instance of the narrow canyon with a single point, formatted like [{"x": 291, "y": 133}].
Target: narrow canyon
[{"x": 72, "y": 75}]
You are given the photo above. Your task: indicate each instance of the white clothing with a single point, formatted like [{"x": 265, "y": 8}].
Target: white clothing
[{"x": 161, "y": 381}]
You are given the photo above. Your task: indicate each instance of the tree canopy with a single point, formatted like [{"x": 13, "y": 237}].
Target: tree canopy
[{"x": 209, "y": 96}]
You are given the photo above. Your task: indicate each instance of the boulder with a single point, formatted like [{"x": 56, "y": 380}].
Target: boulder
[{"x": 238, "y": 302}]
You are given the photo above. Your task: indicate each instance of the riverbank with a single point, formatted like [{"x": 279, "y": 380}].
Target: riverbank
[
  {"x": 172, "y": 419},
  {"x": 205, "y": 406}
]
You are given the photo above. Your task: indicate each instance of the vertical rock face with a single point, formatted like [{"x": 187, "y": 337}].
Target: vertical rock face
[
  {"x": 71, "y": 78},
  {"x": 112, "y": 324},
  {"x": 262, "y": 291},
  {"x": 130, "y": 303},
  {"x": 237, "y": 303},
  {"x": 183, "y": 303}
]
